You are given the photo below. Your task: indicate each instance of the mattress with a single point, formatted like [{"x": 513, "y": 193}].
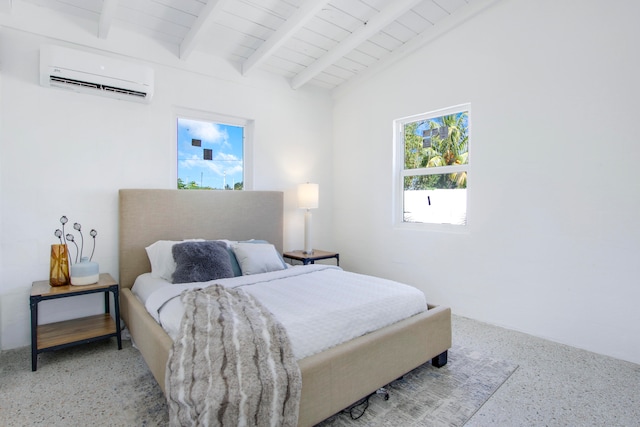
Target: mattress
[{"x": 320, "y": 306}]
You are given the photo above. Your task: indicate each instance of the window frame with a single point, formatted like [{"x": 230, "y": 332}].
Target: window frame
[
  {"x": 247, "y": 144},
  {"x": 399, "y": 171}
]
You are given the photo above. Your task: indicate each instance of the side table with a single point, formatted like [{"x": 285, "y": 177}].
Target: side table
[
  {"x": 54, "y": 336},
  {"x": 311, "y": 258}
]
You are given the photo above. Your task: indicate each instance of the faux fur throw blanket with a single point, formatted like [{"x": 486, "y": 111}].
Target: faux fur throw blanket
[{"x": 232, "y": 364}]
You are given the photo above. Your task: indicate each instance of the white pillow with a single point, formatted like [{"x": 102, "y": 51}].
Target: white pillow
[
  {"x": 257, "y": 258},
  {"x": 161, "y": 258}
]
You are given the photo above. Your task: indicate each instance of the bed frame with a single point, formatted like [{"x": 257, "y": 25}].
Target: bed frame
[{"x": 331, "y": 380}]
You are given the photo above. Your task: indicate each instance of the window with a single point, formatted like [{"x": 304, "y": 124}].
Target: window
[
  {"x": 432, "y": 166},
  {"x": 211, "y": 152}
]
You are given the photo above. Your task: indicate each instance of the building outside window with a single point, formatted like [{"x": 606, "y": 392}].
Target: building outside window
[
  {"x": 211, "y": 153},
  {"x": 432, "y": 167}
]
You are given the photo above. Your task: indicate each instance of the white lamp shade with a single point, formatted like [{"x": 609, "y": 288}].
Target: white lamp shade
[{"x": 308, "y": 195}]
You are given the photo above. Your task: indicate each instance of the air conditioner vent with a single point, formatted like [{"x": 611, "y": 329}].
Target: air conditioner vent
[
  {"x": 61, "y": 81},
  {"x": 124, "y": 91},
  {"x": 71, "y": 82}
]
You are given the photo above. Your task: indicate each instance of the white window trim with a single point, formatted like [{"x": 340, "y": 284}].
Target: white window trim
[
  {"x": 399, "y": 173},
  {"x": 247, "y": 149}
]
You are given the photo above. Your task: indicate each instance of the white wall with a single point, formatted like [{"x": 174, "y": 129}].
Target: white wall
[
  {"x": 63, "y": 153},
  {"x": 1, "y": 203},
  {"x": 553, "y": 241}
]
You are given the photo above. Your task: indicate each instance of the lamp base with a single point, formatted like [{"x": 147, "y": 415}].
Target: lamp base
[{"x": 308, "y": 247}]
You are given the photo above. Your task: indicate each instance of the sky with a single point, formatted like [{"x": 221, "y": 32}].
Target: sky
[{"x": 226, "y": 143}]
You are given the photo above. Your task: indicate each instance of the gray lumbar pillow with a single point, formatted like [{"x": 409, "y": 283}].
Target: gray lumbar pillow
[{"x": 201, "y": 261}]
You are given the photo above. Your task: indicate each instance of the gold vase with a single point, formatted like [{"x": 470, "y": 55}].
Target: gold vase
[{"x": 59, "y": 271}]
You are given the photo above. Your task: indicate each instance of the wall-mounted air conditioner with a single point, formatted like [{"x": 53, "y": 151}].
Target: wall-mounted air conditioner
[{"x": 85, "y": 72}]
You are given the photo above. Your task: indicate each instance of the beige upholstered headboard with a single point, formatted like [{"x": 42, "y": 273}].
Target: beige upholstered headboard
[{"x": 146, "y": 216}]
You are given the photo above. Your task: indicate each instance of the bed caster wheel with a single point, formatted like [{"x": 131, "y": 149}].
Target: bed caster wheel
[{"x": 383, "y": 391}]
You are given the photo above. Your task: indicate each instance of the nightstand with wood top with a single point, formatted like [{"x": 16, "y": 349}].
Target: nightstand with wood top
[
  {"x": 311, "y": 258},
  {"x": 54, "y": 336}
]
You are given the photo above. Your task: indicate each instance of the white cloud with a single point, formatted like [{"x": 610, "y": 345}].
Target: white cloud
[
  {"x": 226, "y": 157},
  {"x": 192, "y": 162},
  {"x": 221, "y": 164},
  {"x": 206, "y": 131}
]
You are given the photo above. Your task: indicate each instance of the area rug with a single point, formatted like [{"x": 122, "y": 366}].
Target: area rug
[
  {"x": 95, "y": 384},
  {"x": 429, "y": 396}
]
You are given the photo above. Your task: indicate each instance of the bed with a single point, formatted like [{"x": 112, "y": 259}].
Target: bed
[{"x": 331, "y": 380}]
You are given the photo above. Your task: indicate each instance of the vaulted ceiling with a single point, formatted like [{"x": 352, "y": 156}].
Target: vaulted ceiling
[{"x": 320, "y": 42}]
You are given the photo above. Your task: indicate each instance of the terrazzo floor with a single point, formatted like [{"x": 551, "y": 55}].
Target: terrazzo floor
[{"x": 554, "y": 385}]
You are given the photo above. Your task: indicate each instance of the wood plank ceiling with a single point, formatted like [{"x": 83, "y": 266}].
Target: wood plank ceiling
[{"x": 320, "y": 42}]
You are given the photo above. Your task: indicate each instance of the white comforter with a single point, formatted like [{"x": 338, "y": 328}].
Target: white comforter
[{"x": 320, "y": 306}]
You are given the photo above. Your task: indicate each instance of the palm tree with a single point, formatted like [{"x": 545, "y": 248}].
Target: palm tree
[{"x": 449, "y": 146}]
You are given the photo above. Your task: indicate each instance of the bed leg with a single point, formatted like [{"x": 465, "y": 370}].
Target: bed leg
[{"x": 440, "y": 360}]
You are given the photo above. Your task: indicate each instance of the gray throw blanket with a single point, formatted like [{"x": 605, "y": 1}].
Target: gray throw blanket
[{"x": 232, "y": 364}]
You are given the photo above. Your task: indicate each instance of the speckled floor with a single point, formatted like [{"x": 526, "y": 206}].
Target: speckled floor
[
  {"x": 88, "y": 385},
  {"x": 554, "y": 385}
]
